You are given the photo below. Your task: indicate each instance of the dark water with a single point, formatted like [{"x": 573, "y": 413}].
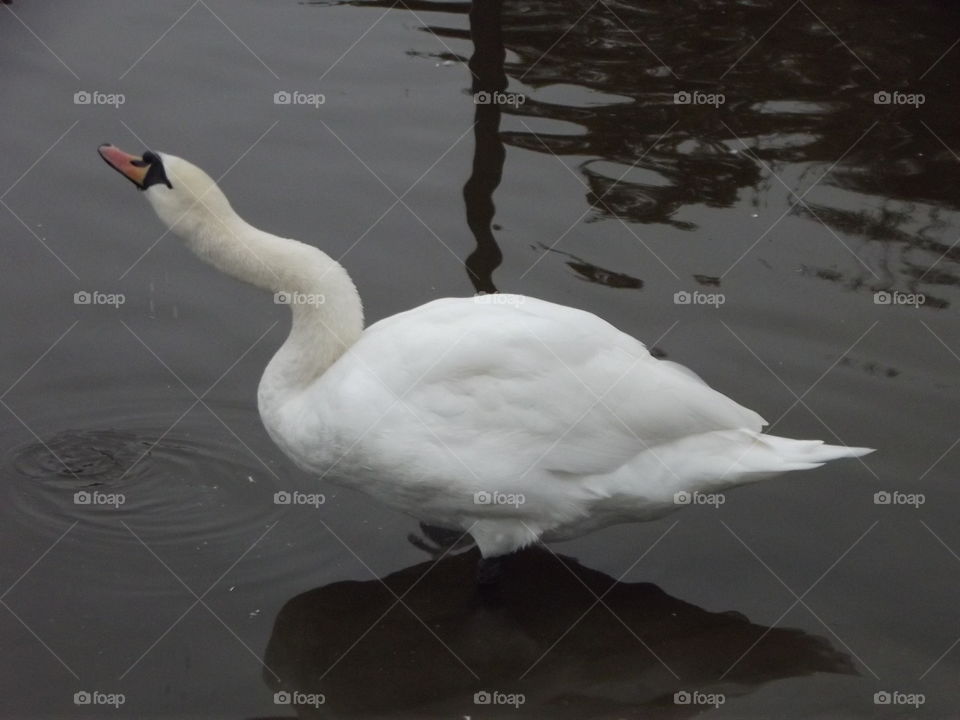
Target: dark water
[{"x": 798, "y": 197}]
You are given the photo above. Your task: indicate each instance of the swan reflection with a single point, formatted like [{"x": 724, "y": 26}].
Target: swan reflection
[{"x": 545, "y": 638}]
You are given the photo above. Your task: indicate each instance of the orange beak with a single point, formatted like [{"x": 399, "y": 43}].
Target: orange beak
[{"x": 130, "y": 166}]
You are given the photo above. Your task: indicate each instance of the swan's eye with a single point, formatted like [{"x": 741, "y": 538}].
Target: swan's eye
[{"x": 150, "y": 157}]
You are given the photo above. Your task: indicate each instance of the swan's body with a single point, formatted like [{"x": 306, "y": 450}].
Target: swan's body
[{"x": 559, "y": 419}]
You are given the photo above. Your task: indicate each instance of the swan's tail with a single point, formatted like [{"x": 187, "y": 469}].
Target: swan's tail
[
  {"x": 726, "y": 458},
  {"x": 786, "y": 454},
  {"x": 714, "y": 461}
]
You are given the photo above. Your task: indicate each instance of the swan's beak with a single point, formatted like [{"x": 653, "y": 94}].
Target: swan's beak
[{"x": 130, "y": 166}]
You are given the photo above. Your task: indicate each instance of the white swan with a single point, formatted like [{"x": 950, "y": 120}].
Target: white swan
[{"x": 507, "y": 417}]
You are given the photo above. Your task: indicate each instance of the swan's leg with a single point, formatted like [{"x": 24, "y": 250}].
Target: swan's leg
[
  {"x": 498, "y": 540},
  {"x": 489, "y": 570},
  {"x": 490, "y": 579}
]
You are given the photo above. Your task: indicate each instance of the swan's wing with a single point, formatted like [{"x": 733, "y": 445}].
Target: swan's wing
[{"x": 510, "y": 382}]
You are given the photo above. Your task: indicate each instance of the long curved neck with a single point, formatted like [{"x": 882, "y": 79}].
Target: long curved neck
[{"x": 326, "y": 308}]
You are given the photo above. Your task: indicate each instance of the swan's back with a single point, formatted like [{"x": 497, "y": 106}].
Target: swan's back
[{"x": 544, "y": 365}]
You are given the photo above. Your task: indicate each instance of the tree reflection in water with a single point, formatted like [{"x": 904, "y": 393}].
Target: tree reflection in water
[{"x": 797, "y": 97}]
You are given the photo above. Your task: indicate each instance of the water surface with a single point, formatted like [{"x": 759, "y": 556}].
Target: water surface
[{"x": 622, "y": 184}]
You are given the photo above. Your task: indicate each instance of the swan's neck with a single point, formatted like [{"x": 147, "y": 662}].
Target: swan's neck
[{"x": 326, "y": 308}]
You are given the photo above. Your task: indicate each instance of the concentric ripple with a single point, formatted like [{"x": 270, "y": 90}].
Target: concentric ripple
[
  {"x": 200, "y": 496},
  {"x": 88, "y": 457},
  {"x": 196, "y": 487}
]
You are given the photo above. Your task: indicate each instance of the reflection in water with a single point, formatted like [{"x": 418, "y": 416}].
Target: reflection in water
[
  {"x": 372, "y": 656},
  {"x": 592, "y": 273},
  {"x": 797, "y": 102},
  {"x": 486, "y": 68},
  {"x": 487, "y": 75}
]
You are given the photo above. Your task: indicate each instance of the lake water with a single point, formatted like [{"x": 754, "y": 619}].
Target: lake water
[{"x": 762, "y": 191}]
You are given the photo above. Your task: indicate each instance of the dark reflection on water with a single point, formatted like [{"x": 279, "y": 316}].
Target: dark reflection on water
[
  {"x": 795, "y": 95},
  {"x": 486, "y": 68},
  {"x": 488, "y": 76},
  {"x": 427, "y": 643},
  {"x": 593, "y": 273}
]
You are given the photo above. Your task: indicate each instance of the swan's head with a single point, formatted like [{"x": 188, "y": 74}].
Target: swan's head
[{"x": 177, "y": 190}]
